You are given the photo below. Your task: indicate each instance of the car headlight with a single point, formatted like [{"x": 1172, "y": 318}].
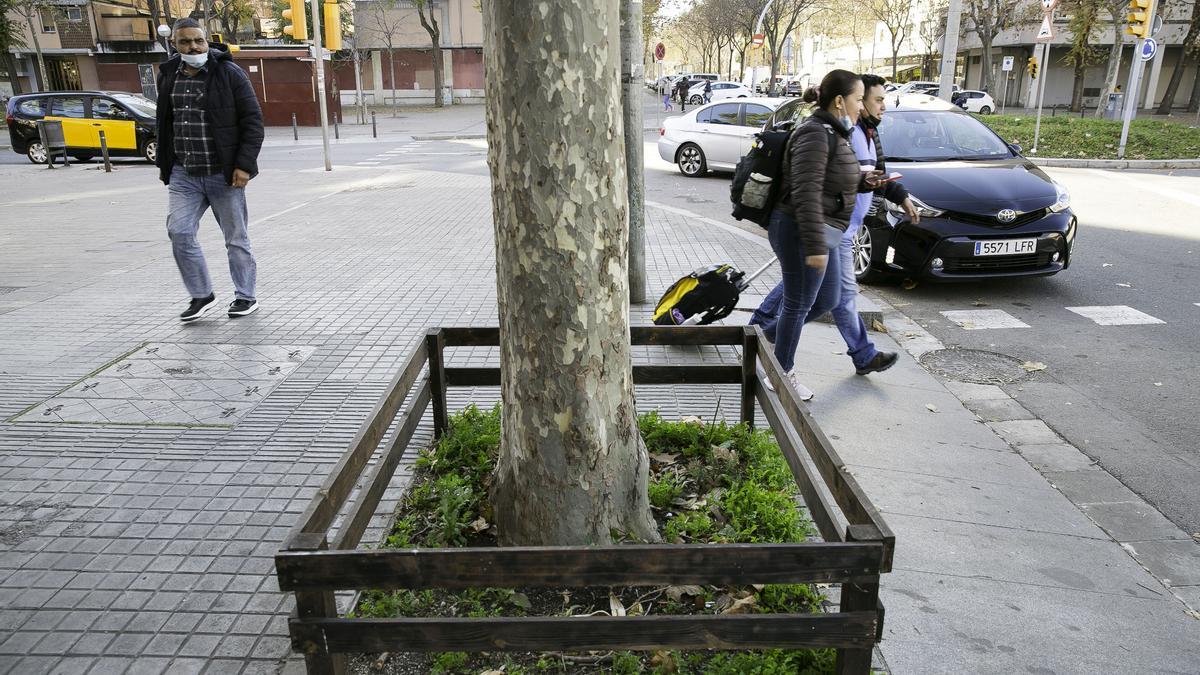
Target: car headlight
[
  {"x": 924, "y": 210},
  {"x": 1062, "y": 201}
]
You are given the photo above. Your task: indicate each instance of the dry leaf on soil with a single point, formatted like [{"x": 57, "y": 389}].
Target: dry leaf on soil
[
  {"x": 1033, "y": 366},
  {"x": 877, "y": 326},
  {"x": 664, "y": 458},
  {"x": 931, "y": 407},
  {"x": 676, "y": 593},
  {"x": 614, "y": 604},
  {"x": 742, "y": 605},
  {"x": 479, "y": 525},
  {"x": 692, "y": 419}
]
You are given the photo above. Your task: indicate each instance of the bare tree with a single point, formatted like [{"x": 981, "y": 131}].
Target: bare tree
[
  {"x": 1115, "y": 10},
  {"x": 387, "y": 26},
  {"x": 987, "y": 19},
  {"x": 573, "y": 469},
  {"x": 427, "y": 11},
  {"x": 1085, "y": 19},
  {"x": 11, "y": 37},
  {"x": 778, "y": 23},
  {"x": 896, "y": 16},
  {"x": 29, "y": 10},
  {"x": 1191, "y": 53},
  {"x": 930, "y": 30}
]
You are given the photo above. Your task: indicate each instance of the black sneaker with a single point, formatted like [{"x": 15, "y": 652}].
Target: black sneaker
[
  {"x": 198, "y": 308},
  {"x": 242, "y": 307},
  {"x": 881, "y": 362}
]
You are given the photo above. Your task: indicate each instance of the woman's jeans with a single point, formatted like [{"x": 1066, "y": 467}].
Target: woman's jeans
[{"x": 804, "y": 292}]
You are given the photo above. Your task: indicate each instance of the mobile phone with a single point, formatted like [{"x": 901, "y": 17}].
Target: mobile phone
[{"x": 891, "y": 177}]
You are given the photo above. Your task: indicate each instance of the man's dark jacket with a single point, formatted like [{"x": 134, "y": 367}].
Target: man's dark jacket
[
  {"x": 231, "y": 108},
  {"x": 894, "y": 192}
]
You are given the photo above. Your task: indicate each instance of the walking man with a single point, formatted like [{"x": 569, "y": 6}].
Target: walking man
[{"x": 210, "y": 130}]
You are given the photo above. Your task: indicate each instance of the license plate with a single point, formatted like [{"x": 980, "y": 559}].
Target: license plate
[{"x": 1006, "y": 247}]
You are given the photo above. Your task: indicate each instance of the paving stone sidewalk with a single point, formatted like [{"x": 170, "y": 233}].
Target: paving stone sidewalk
[{"x": 146, "y": 546}]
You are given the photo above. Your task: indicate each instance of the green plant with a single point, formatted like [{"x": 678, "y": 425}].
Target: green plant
[
  {"x": 688, "y": 526},
  {"x": 449, "y": 662},
  {"x": 664, "y": 490},
  {"x": 757, "y": 514},
  {"x": 456, "y": 502}
]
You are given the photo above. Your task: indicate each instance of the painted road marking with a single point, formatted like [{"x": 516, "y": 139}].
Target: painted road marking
[
  {"x": 981, "y": 319},
  {"x": 1115, "y": 315}
]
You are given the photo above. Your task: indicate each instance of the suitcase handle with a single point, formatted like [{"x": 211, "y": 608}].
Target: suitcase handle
[{"x": 745, "y": 283}]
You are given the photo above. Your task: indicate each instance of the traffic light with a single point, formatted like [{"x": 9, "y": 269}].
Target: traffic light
[
  {"x": 332, "y": 25},
  {"x": 297, "y": 25},
  {"x": 1032, "y": 67},
  {"x": 1140, "y": 16}
]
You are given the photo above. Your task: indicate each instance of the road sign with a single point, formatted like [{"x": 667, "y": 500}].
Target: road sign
[
  {"x": 1149, "y": 49},
  {"x": 660, "y": 51},
  {"x": 758, "y": 39},
  {"x": 1156, "y": 26},
  {"x": 1007, "y": 65},
  {"x": 1046, "y": 32}
]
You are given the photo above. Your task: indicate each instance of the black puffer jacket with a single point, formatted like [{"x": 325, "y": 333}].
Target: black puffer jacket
[
  {"x": 819, "y": 188},
  {"x": 234, "y": 117}
]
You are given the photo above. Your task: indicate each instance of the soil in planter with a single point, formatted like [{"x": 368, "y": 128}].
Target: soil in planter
[{"x": 713, "y": 483}]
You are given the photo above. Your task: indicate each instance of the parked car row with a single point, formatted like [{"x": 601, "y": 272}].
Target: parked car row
[
  {"x": 986, "y": 211},
  {"x": 127, "y": 120}
]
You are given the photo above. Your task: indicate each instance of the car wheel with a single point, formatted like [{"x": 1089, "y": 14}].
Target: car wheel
[
  {"x": 696, "y": 100},
  {"x": 862, "y": 252},
  {"x": 83, "y": 156},
  {"x": 741, "y": 96},
  {"x": 36, "y": 152},
  {"x": 985, "y": 110},
  {"x": 150, "y": 150},
  {"x": 691, "y": 160}
]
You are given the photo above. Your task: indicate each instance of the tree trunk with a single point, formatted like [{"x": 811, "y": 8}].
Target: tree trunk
[
  {"x": 1114, "y": 67},
  {"x": 572, "y": 467},
  {"x": 392, "y": 79},
  {"x": 438, "y": 76},
  {"x": 41, "y": 84},
  {"x": 1194, "y": 99},
  {"x": 985, "y": 66},
  {"x": 1077, "y": 88},
  {"x": 1189, "y": 41},
  {"x": 1168, "y": 99},
  {"x": 895, "y": 57},
  {"x": 10, "y": 66}
]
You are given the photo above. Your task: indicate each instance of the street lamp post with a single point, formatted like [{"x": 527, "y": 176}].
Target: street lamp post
[
  {"x": 757, "y": 29},
  {"x": 950, "y": 50}
]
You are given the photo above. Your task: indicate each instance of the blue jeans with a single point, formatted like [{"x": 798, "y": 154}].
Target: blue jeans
[
  {"x": 804, "y": 291},
  {"x": 188, "y": 198},
  {"x": 858, "y": 345}
]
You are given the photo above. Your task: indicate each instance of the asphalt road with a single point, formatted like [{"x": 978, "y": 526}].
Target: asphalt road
[{"x": 1127, "y": 395}]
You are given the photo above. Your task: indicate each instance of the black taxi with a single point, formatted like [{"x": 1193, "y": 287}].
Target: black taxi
[{"x": 127, "y": 120}]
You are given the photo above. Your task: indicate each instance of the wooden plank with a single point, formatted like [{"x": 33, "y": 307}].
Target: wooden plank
[
  {"x": 316, "y": 605},
  {"x": 473, "y": 377},
  {"x": 823, "y": 514},
  {"x": 359, "y": 515},
  {"x": 472, "y": 336},
  {"x": 564, "y": 566},
  {"x": 686, "y": 335},
  {"x": 749, "y": 375},
  {"x": 537, "y": 634},
  {"x": 687, "y": 374},
  {"x": 490, "y": 377},
  {"x": 845, "y": 489},
  {"x": 435, "y": 345},
  {"x": 860, "y": 596},
  {"x": 338, "y": 485}
]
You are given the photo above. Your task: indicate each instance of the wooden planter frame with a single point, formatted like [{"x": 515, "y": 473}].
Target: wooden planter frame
[{"x": 313, "y": 567}]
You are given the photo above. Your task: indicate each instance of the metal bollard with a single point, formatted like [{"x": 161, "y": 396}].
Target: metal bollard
[
  {"x": 336, "y": 135},
  {"x": 374, "y": 134},
  {"x": 295, "y": 130},
  {"x": 104, "y": 153}
]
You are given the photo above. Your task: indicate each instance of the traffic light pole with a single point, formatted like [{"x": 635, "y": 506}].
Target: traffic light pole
[
  {"x": 1131, "y": 94},
  {"x": 319, "y": 60},
  {"x": 1041, "y": 95},
  {"x": 950, "y": 51}
]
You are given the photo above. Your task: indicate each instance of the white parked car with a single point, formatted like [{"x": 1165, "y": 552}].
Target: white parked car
[
  {"x": 714, "y": 136},
  {"x": 975, "y": 101},
  {"x": 720, "y": 90}
]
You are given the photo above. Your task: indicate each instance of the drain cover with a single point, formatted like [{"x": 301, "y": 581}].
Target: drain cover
[{"x": 975, "y": 366}]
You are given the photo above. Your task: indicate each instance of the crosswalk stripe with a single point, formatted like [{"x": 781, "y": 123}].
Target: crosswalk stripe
[
  {"x": 1115, "y": 315},
  {"x": 980, "y": 319}
]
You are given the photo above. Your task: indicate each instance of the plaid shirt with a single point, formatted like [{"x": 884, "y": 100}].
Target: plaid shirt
[{"x": 195, "y": 147}]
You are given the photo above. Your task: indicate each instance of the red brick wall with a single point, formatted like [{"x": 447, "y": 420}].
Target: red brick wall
[{"x": 468, "y": 68}]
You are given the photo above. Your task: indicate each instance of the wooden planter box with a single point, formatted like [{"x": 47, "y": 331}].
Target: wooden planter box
[{"x": 313, "y": 567}]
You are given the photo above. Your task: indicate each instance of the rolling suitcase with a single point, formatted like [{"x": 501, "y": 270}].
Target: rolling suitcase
[{"x": 709, "y": 294}]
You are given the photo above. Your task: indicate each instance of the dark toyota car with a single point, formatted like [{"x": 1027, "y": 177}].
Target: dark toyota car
[{"x": 986, "y": 211}]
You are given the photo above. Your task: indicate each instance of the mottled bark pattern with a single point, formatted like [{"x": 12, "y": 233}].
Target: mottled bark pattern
[{"x": 572, "y": 465}]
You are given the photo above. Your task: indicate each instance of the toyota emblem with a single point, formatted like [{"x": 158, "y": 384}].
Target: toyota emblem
[{"x": 1006, "y": 216}]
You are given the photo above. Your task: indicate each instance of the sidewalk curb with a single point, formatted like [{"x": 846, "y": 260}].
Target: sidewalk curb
[
  {"x": 471, "y": 137},
  {"x": 1065, "y": 162},
  {"x": 1054, "y": 457}
]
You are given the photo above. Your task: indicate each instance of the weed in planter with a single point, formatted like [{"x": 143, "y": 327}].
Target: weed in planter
[{"x": 713, "y": 483}]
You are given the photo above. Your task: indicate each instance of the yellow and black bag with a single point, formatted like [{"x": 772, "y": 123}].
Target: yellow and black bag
[{"x": 709, "y": 294}]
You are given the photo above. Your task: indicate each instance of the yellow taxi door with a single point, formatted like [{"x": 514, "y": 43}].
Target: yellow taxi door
[
  {"x": 77, "y": 129},
  {"x": 117, "y": 124}
]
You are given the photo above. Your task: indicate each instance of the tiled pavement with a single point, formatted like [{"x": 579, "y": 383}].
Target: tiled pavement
[{"x": 145, "y": 544}]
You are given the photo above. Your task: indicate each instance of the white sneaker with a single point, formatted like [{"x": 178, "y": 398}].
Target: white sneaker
[{"x": 803, "y": 392}]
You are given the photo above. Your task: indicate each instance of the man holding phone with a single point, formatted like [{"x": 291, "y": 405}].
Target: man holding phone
[{"x": 865, "y": 141}]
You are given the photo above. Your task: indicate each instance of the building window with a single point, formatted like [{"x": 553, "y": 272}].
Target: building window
[
  {"x": 74, "y": 14},
  {"x": 47, "y": 16}
]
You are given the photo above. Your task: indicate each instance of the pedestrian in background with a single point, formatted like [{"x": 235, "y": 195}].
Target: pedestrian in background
[
  {"x": 667, "y": 99},
  {"x": 681, "y": 88},
  {"x": 210, "y": 129},
  {"x": 708, "y": 91},
  {"x": 820, "y": 180}
]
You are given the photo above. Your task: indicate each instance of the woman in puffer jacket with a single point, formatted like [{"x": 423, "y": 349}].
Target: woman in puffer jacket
[{"x": 818, "y": 191}]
